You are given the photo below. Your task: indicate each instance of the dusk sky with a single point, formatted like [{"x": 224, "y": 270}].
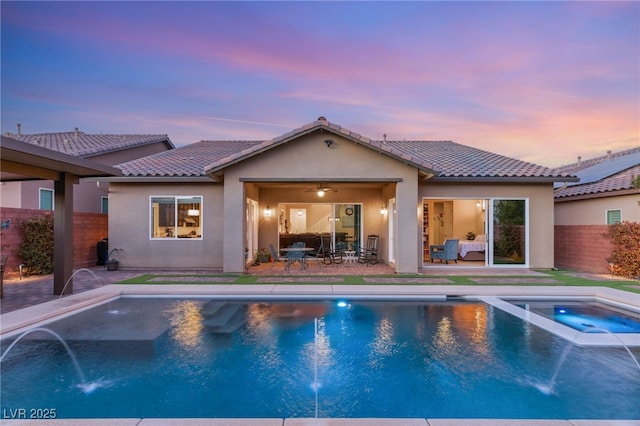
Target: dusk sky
[{"x": 539, "y": 81}]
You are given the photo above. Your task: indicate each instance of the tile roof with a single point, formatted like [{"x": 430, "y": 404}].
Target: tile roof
[
  {"x": 454, "y": 161},
  {"x": 445, "y": 160},
  {"x": 185, "y": 161},
  {"x": 606, "y": 174},
  {"x": 80, "y": 144}
]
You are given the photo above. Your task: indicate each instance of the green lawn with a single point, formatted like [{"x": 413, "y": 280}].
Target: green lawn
[{"x": 551, "y": 278}]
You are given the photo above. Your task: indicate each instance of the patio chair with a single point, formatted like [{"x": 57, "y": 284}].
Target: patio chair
[
  {"x": 337, "y": 254},
  {"x": 324, "y": 251},
  {"x": 447, "y": 251},
  {"x": 277, "y": 257},
  {"x": 369, "y": 253}
]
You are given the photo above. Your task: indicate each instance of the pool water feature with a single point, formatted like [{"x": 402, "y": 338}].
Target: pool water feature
[{"x": 288, "y": 359}]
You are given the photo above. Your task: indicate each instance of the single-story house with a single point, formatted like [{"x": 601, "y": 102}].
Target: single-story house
[
  {"x": 212, "y": 203},
  {"x": 106, "y": 149},
  {"x": 608, "y": 192}
]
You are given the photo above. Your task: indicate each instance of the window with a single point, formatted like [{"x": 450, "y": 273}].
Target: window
[
  {"x": 46, "y": 199},
  {"x": 104, "y": 205},
  {"x": 173, "y": 217},
  {"x": 614, "y": 216}
]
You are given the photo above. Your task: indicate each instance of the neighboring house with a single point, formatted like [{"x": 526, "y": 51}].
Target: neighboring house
[
  {"x": 104, "y": 149},
  {"x": 203, "y": 205},
  {"x": 606, "y": 193}
]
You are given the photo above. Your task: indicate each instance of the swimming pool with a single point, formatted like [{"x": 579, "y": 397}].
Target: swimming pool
[{"x": 199, "y": 357}]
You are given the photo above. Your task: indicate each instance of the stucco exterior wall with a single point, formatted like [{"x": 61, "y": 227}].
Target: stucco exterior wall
[
  {"x": 129, "y": 227},
  {"x": 594, "y": 211},
  {"x": 541, "y": 208},
  {"x": 86, "y": 195}
]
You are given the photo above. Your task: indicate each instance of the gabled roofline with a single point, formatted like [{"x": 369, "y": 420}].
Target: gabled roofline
[{"x": 216, "y": 170}]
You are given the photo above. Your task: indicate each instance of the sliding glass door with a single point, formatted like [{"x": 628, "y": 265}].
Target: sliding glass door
[
  {"x": 509, "y": 232},
  {"x": 304, "y": 221}
]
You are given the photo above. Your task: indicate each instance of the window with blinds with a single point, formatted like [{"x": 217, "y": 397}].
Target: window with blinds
[
  {"x": 46, "y": 199},
  {"x": 614, "y": 216}
]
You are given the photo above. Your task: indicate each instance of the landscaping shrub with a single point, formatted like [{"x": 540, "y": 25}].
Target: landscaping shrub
[
  {"x": 625, "y": 237},
  {"x": 36, "y": 248}
]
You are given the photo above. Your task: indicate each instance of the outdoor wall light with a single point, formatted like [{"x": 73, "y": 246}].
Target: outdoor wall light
[
  {"x": 267, "y": 212},
  {"x": 383, "y": 210},
  {"x": 328, "y": 142}
]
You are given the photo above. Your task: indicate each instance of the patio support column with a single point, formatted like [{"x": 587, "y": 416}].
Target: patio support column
[
  {"x": 234, "y": 224},
  {"x": 63, "y": 233},
  {"x": 409, "y": 239}
]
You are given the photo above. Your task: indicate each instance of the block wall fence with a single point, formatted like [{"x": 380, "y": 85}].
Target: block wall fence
[
  {"x": 88, "y": 230},
  {"x": 582, "y": 248}
]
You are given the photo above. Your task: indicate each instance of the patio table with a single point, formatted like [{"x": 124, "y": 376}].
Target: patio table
[{"x": 299, "y": 254}]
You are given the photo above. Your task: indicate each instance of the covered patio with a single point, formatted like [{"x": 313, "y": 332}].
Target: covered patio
[{"x": 23, "y": 161}]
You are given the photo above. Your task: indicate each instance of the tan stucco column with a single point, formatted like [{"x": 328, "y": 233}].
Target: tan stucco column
[
  {"x": 408, "y": 241},
  {"x": 234, "y": 224}
]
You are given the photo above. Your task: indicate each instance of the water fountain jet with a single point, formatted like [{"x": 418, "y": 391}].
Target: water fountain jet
[
  {"x": 84, "y": 385},
  {"x": 74, "y": 273},
  {"x": 548, "y": 389}
]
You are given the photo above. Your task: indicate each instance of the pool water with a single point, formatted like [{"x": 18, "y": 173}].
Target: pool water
[{"x": 200, "y": 358}]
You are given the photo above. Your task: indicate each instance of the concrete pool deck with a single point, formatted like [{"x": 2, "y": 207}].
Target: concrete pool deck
[{"x": 88, "y": 291}]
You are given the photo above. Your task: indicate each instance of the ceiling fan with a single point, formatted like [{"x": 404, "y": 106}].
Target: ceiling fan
[{"x": 321, "y": 190}]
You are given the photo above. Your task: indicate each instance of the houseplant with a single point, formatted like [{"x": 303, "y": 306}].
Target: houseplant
[
  {"x": 112, "y": 263},
  {"x": 263, "y": 255}
]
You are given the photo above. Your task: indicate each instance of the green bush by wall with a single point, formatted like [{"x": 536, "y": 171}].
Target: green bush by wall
[
  {"x": 36, "y": 248},
  {"x": 625, "y": 258}
]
